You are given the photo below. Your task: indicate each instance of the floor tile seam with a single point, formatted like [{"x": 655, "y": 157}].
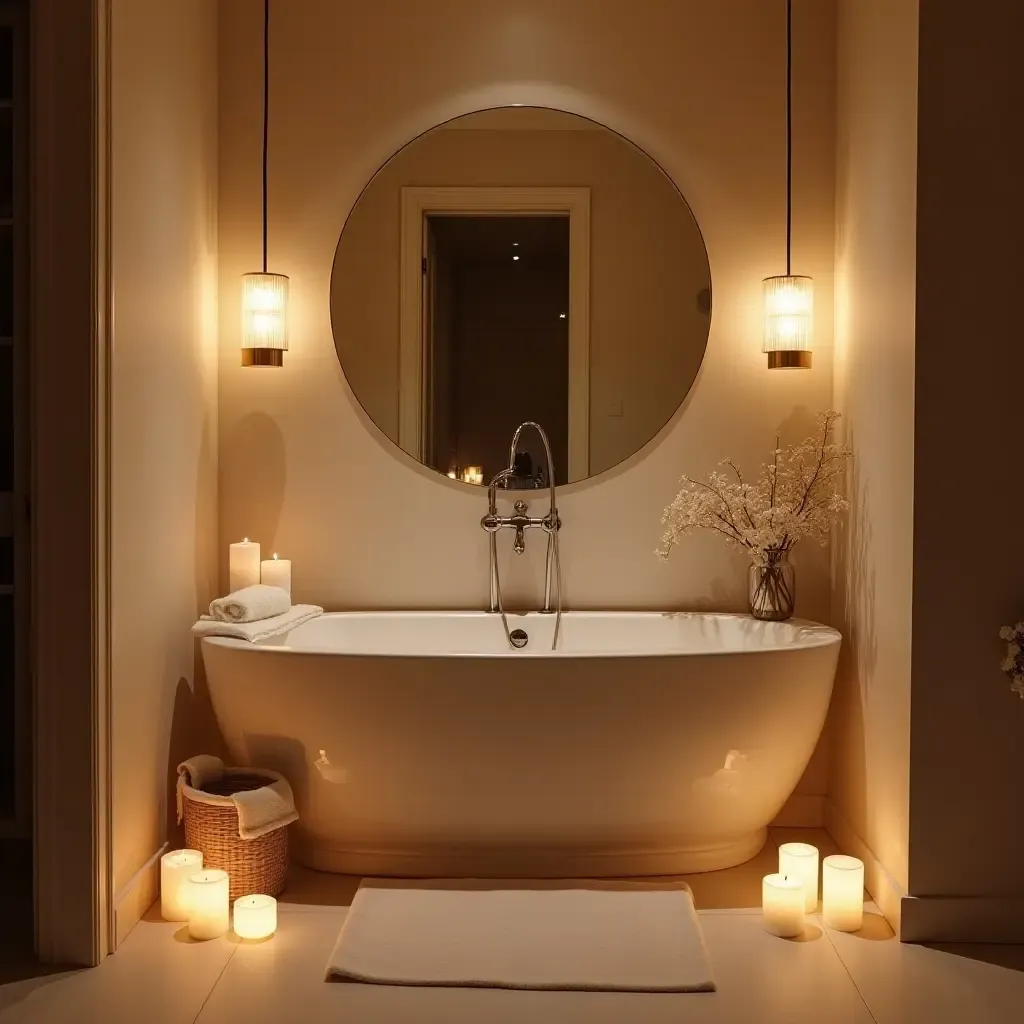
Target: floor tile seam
[
  {"x": 849, "y": 973},
  {"x": 213, "y": 987}
]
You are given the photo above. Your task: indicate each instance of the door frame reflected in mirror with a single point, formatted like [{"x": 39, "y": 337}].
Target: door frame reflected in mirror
[{"x": 419, "y": 203}]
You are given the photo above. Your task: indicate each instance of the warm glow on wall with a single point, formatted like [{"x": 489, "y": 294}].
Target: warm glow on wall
[
  {"x": 264, "y": 319},
  {"x": 788, "y": 321}
]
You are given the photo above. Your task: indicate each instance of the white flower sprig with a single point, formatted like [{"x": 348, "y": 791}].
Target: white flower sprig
[
  {"x": 1013, "y": 663},
  {"x": 795, "y": 496}
]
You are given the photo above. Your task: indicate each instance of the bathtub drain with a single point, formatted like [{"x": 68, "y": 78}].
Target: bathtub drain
[{"x": 519, "y": 638}]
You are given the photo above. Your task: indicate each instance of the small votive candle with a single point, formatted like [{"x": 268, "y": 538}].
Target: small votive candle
[
  {"x": 277, "y": 572},
  {"x": 175, "y": 869},
  {"x": 842, "y": 892},
  {"x": 206, "y": 896},
  {"x": 800, "y": 861},
  {"x": 243, "y": 565},
  {"x": 473, "y": 475},
  {"x": 255, "y": 917},
  {"x": 782, "y": 906}
]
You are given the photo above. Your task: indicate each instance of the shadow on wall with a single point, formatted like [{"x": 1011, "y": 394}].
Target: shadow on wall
[
  {"x": 194, "y": 730},
  {"x": 725, "y": 594},
  {"x": 254, "y": 473},
  {"x": 282, "y": 754},
  {"x": 799, "y": 424}
]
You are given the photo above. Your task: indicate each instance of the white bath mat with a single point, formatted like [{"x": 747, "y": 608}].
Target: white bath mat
[{"x": 587, "y": 935}]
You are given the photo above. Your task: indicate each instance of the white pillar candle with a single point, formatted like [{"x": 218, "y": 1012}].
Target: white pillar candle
[
  {"x": 782, "y": 906},
  {"x": 277, "y": 572},
  {"x": 243, "y": 565},
  {"x": 175, "y": 869},
  {"x": 206, "y": 895},
  {"x": 842, "y": 892},
  {"x": 255, "y": 917},
  {"x": 473, "y": 475},
  {"x": 800, "y": 861}
]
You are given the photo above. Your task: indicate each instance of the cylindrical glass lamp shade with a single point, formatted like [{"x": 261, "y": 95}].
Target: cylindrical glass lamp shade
[
  {"x": 788, "y": 321},
  {"x": 264, "y": 319}
]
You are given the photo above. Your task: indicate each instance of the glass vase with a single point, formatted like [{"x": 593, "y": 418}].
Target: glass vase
[{"x": 772, "y": 589}]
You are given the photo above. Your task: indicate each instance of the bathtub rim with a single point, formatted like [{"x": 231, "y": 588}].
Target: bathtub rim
[{"x": 816, "y": 635}]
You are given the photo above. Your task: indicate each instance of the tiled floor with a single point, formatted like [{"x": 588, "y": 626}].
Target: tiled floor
[{"x": 160, "y": 977}]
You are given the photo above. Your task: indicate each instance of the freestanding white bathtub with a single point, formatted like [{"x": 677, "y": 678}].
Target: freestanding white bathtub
[{"x": 421, "y": 744}]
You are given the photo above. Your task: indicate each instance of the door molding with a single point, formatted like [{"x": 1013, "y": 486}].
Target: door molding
[
  {"x": 69, "y": 316},
  {"x": 417, "y": 203}
]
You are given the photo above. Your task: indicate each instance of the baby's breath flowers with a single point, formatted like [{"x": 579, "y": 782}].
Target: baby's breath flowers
[{"x": 794, "y": 496}]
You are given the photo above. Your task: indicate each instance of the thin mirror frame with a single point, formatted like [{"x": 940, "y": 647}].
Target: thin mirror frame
[{"x": 437, "y": 474}]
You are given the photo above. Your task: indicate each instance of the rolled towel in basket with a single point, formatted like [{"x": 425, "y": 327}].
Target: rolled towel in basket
[
  {"x": 259, "y": 810},
  {"x": 251, "y": 604}
]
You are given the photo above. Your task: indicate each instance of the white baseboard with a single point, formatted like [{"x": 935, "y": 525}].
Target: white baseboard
[
  {"x": 963, "y": 919},
  {"x": 137, "y": 896},
  {"x": 802, "y": 810},
  {"x": 880, "y": 884}
]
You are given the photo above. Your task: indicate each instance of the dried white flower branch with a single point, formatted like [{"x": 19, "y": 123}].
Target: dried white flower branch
[{"x": 795, "y": 496}]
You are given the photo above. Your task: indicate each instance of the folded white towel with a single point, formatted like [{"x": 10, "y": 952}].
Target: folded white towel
[
  {"x": 262, "y": 810},
  {"x": 197, "y": 772},
  {"x": 262, "y": 630},
  {"x": 259, "y": 810},
  {"x": 251, "y": 604}
]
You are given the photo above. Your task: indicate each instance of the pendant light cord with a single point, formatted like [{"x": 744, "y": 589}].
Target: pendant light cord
[
  {"x": 266, "y": 107},
  {"x": 789, "y": 136}
]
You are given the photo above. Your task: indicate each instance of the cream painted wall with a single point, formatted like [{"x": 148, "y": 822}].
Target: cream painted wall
[
  {"x": 647, "y": 267},
  {"x": 701, "y": 87},
  {"x": 164, "y": 393},
  {"x": 876, "y": 171},
  {"x": 967, "y": 830}
]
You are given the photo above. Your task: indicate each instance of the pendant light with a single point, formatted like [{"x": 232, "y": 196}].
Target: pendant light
[
  {"x": 264, "y": 295},
  {"x": 789, "y": 298}
]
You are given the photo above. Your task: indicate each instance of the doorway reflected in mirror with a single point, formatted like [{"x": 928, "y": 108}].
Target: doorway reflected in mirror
[
  {"x": 496, "y": 340},
  {"x": 520, "y": 264}
]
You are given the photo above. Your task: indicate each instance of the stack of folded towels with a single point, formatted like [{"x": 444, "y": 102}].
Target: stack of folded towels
[{"x": 254, "y": 613}]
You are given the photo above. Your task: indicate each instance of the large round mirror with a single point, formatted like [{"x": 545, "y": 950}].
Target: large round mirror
[{"x": 520, "y": 264}]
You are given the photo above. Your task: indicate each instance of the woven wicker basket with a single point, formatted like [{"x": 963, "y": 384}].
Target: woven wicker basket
[{"x": 253, "y": 865}]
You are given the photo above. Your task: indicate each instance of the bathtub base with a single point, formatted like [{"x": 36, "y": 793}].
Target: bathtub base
[{"x": 529, "y": 862}]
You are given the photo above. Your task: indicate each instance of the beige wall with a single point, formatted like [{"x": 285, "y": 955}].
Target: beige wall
[
  {"x": 647, "y": 267},
  {"x": 164, "y": 381},
  {"x": 876, "y": 172},
  {"x": 967, "y": 831},
  {"x": 701, "y": 87}
]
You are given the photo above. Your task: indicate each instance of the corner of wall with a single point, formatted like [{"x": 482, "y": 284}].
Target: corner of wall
[{"x": 883, "y": 888}]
